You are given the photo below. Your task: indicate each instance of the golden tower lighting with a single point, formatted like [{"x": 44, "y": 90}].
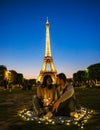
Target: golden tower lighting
[{"x": 48, "y": 60}]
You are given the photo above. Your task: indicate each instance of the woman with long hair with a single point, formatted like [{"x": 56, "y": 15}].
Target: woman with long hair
[{"x": 42, "y": 102}]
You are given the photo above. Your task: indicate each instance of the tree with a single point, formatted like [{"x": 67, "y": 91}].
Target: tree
[
  {"x": 19, "y": 78},
  {"x": 3, "y": 70},
  {"x": 94, "y": 72},
  {"x": 13, "y": 76},
  {"x": 79, "y": 76}
]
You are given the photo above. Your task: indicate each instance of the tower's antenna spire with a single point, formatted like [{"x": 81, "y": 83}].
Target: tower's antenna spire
[
  {"x": 47, "y": 20},
  {"x": 47, "y": 49}
]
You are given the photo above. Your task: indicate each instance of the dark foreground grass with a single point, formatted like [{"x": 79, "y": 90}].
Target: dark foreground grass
[{"x": 11, "y": 103}]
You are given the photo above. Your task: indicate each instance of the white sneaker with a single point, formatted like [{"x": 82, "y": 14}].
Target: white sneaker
[{"x": 48, "y": 116}]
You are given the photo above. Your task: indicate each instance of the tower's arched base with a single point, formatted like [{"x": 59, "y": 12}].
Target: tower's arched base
[{"x": 42, "y": 74}]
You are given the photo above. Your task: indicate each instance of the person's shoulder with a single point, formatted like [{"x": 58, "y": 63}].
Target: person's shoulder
[{"x": 69, "y": 85}]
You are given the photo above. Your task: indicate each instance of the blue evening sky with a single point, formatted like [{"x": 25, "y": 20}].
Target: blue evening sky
[{"x": 74, "y": 34}]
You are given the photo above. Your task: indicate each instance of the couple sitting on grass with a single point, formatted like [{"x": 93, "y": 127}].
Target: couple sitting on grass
[{"x": 55, "y": 100}]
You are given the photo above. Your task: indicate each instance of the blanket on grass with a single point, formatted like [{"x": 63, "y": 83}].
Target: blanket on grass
[{"x": 84, "y": 115}]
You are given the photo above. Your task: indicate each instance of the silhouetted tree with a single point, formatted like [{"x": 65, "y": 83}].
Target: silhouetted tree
[
  {"x": 94, "y": 72},
  {"x": 13, "y": 76},
  {"x": 3, "y": 70},
  {"x": 19, "y": 78},
  {"x": 79, "y": 76}
]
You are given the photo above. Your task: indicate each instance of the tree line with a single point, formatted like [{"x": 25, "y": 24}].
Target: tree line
[
  {"x": 90, "y": 76},
  {"x": 87, "y": 77},
  {"x": 11, "y": 77}
]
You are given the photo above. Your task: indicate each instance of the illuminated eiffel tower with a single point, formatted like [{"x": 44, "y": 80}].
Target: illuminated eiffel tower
[{"x": 47, "y": 59}]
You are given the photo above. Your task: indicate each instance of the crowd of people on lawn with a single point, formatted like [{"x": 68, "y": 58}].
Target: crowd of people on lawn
[{"x": 55, "y": 100}]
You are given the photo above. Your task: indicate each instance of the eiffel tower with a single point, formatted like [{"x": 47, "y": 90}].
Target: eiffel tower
[{"x": 48, "y": 60}]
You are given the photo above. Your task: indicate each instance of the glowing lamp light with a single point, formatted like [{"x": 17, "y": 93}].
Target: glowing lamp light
[
  {"x": 39, "y": 122},
  {"x": 62, "y": 121},
  {"x": 49, "y": 120},
  {"x": 53, "y": 122},
  {"x": 67, "y": 123},
  {"x": 27, "y": 119},
  {"x": 78, "y": 124},
  {"x": 82, "y": 127},
  {"x": 46, "y": 123},
  {"x": 75, "y": 123}
]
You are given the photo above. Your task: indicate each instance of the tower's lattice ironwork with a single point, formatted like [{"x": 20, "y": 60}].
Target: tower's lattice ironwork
[{"x": 48, "y": 60}]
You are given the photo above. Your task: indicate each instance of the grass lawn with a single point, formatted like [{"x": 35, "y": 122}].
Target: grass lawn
[{"x": 12, "y": 102}]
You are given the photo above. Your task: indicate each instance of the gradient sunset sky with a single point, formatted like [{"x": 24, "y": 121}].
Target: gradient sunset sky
[{"x": 74, "y": 34}]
